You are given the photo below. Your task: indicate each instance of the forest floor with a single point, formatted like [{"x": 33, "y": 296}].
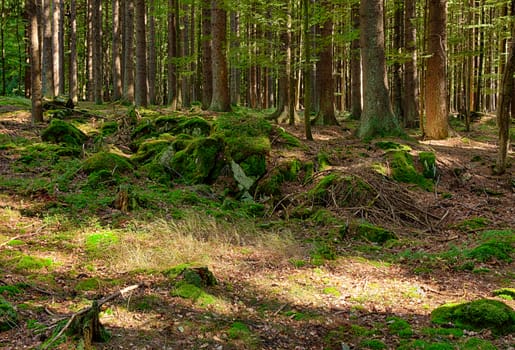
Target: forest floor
[{"x": 278, "y": 288}]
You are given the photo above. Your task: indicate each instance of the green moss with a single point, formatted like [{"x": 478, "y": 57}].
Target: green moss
[
  {"x": 423, "y": 345},
  {"x": 11, "y": 290},
  {"x": 374, "y": 233},
  {"x": 428, "y": 161},
  {"x": 174, "y": 272},
  {"x": 189, "y": 291},
  {"x": 332, "y": 291},
  {"x": 341, "y": 190},
  {"x": 505, "y": 293},
  {"x": 106, "y": 161},
  {"x": 109, "y": 128},
  {"x": 144, "y": 129},
  {"x": 238, "y": 330},
  {"x": 254, "y": 165},
  {"x": 399, "y": 327},
  {"x": 392, "y": 146},
  {"x": 477, "y": 314},
  {"x": 27, "y": 262},
  {"x": 149, "y": 149},
  {"x": 88, "y": 284},
  {"x": 288, "y": 138},
  {"x": 321, "y": 252},
  {"x": 8, "y": 315},
  {"x": 492, "y": 250},
  {"x": 198, "y": 163},
  {"x": 100, "y": 242},
  {"x": 146, "y": 303},
  {"x": 472, "y": 224},
  {"x": 194, "y": 126},
  {"x": 102, "y": 178},
  {"x": 246, "y": 125},
  {"x": 324, "y": 217},
  {"x": 477, "y": 344},
  {"x": 403, "y": 170},
  {"x": 62, "y": 132},
  {"x": 454, "y": 332},
  {"x": 372, "y": 344},
  {"x": 323, "y": 161}
]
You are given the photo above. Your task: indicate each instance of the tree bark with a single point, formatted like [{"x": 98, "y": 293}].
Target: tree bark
[
  {"x": 355, "y": 67},
  {"x": 96, "y": 17},
  {"x": 307, "y": 71},
  {"x": 377, "y": 118},
  {"x": 35, "y": 61},
  {"x": 116, "y": 69},
  {"x": 128, "y": 52},
  {"x": 397, "y": 67},
  {"x": 152, "y": 54},
  {"x": 141, "y": 87},
  {"x": 207, "y": 73},
  {"x": 47, "y": 59},
  {"x": 220, "y": 101},
  {"x": 172, "y": 53},
  {"x": 411, "y": 111},
  {"x": 437, "y": 126},
  {"x": 56, "y": 68},
  {"x": 72, "y": 73}
]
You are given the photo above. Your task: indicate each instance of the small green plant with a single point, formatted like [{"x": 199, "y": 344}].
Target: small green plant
[
  {"x": 472, "y": 224},
  {"x": 8, "y": 315},
  {"x": 332, "y": 291},
  {"x": 238, "y": 330},
  {"x": 11, "y": 290},
  {"x": 399, "y": 327},
  {"x": 27, "y": 262},
  {"x": 477, "y": 344},
  {"x": 372, "y": 344}
]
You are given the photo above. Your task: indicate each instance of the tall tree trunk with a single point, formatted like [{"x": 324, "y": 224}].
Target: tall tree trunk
[
  {"x": 141, "y": 87},
  {"x": 326, "y": 114},
  {"x": 235, "y": 71},
  {"x": 116, "y": 69},
  {"x": 480, "y": 64},
  {"x": 355, "y": 67},
  {"x": 56, "y": 73},
  {"x": 2, "y": 47},
  {"x": 47, "y": 60},
  {"x": 128, "y": 52},
  {"x": 377, "y": 118},
  {"x": 185, "y": 52},
  {"x": 72, "y": 73},
  {"x": 307, "y": 70},
  {"x": 207, "y": 73},
  {"x": 220, "y": 101},
  {"x": 35, "y": 61},
  {"x": 437, "y": 126},
  {"x": 97, "y": 51},
  {"x": 411, "y": 108},
  {"x": 152, "y": 54},
  {"x": 397, "y": 67},
  {"x": 504, "y": 105},
  {"x": 172, "y": 53}
]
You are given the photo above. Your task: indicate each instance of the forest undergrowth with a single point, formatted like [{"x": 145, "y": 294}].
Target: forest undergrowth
[{"x": 239, "y": 234}]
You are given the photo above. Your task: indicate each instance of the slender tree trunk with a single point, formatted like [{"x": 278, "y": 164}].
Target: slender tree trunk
[
  {"x": 116, "y": 69},
  {"x": 480, "y": 64},
  {"x": 172, "y": 53},
  {"x": 411, "y": 92},
  {"x": 220, "y": 101},
  {"x": 207, "y": 73},
  {"x": 307, "y": 70},
  {"x": 152, "y": 54},
  {"x": 141, "y": 87},
  {"x": 377, "y": 118},
  {"x": 235, "y": 71},
  {"x": 2, "y": 46},
  {"x": 72, "y": 74},
  {"x": 56, "y": 73},
  {"x": 355, "y": 67},
  {"x": 504, "y": 106},
  {"x": 185, "y": 52},
  {"x": 47, "y": 62},
  {"x": 397, "y": 67},
  {"x": 97, "y": 51},
  {"x": 35, "y": 61},
  {"x": 437, "y": 126},
  {"x": 128, "y": 52}
]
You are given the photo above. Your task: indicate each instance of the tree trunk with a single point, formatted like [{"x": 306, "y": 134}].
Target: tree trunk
[
  {"x": 2, "y": 47},
  {"x": 116, "y": 69},
  {"x": 128, "y": 52},
  {"x": 72, "y": 74},
  {"x": 235, "y": 71},
  {"x": 220, "y": 101},
  {"x": 307, "y": 70},
  {"x": 411, "y": 112},
  {"x": 152, "y": 54},
  {"x": 47, "y": 60},
  {"x": 437, "y": 126},
  {"x": 141, "y": 87},
  {"x": 56, "y": 73},
  {"x": 207, "y": 73},
  {"x": 35, "y": 61},
  {"x": 96, "y": 17},
  {"x": 504, "y": 106},
  {"x": 397, "y": 67},
  {"x": 377, "y": 118},
  {"x": 172, "y": 53},
  {"x": 355, "y": 67},
  {"x": 326, "y": 114}
]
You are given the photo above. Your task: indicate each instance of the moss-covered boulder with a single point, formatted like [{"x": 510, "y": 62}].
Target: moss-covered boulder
[
  {"x": 194, "y": 126},
  {"x": 200, "y": 162},
  {"x": 112, "y": 162},
  {"x": 373, "y": 233},
  {"x": 403, "y": 170},
  {"x": 8, "y": 315},
  {"x": 340, "y": 190},
  {"x": 477, "y": 315},
  {"x": 149, "y": 149},
  {"x": 60, "y": 131},
  {"x": 109, "y": 128},
  {"x": 144, "y": 129},
  {"x": 287, "y": 171}
]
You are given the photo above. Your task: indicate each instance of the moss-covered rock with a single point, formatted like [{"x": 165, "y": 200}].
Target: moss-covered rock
[
  {"x": 112, "y": 162},
  {"x": 194, "y": 126},
  {"x": 340, "y": 190},
  {"x": 403, "y": 170},
  {"x": 199, "y": 162},
  {"x": 62, "y": 132},
  {"x": 149, "y": 149},
  {"x": 392, "y": 146},
  {"x": 428, "y": 161},
  {"x": 492, "y": 250},
  {"x": 109, "y": 128},
  {"x": 287, "y": 171},
  {"x": 476, "y": 315},
  {"x": 374, "y": 233},
  {"x": 144, "y": 129}
]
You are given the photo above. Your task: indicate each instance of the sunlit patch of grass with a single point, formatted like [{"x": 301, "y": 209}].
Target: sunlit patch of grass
[{"x": 28, "y": 262}]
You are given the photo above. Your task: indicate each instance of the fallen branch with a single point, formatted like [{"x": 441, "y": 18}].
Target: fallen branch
[{"x": 88, "y": 325}]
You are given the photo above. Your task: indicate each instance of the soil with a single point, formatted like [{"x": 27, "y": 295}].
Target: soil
[{"x": 282, "y": 304}]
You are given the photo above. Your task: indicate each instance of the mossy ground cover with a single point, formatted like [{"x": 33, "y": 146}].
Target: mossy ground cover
[{"x": 293, "y": 266}]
